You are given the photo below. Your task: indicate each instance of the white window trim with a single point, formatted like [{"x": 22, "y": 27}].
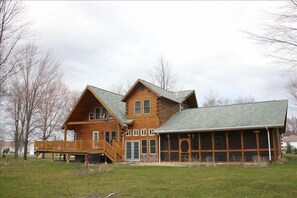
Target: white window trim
[
  {"x": 151, "y": 134},
  {"x": 139, "y": 154},
  {"x": 150, "y": 147},
  {"x": 135, "y": 105},
  {"x": 128, "y": 133},
  {"x": 147, "y": 149},
  {"x": 134, "y": 132},
  {"x": 145, "y": 132},
  {"x": 90, "y": 116},
  {"x": 95, "y": 113},
  {"x": 149, "y": 106}
]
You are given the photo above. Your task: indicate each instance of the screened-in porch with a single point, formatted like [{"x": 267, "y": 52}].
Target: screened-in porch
[{"x": 221, "y": 146}]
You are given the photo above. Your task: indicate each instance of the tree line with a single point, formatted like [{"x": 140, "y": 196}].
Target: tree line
[{"x": 34, "y": 98}]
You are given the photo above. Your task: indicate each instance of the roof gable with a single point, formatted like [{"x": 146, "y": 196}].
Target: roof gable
[
  {"x": 111, "y": 101},
  {"x": 243, "y": 116},
  {"x": 177, "y": 97}
]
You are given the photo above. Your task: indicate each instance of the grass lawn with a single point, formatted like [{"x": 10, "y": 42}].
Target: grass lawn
[{"x": 42, "y": 178}]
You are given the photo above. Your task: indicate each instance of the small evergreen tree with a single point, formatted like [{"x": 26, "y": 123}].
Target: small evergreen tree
[{"x": 289, "y": 148}]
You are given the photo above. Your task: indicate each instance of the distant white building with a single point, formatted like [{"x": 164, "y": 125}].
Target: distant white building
[{"x": 291, "y": 139}]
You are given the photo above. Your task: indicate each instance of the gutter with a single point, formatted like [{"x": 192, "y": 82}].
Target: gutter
[{"x": 217, "y": 129}]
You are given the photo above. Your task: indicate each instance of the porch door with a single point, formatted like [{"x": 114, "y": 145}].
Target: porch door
[
  {"x": 184, "y": 145},
  {"x": 132, "y": 151},
  {"x": 95, "y": 139},
  {"x": 109, "y": 136}
]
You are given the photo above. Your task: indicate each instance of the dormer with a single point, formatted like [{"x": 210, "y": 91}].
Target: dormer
[{"x": 147, "y": 100}]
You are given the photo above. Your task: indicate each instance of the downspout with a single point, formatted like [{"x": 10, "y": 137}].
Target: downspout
[
  {"x": 269, "y": 149},
  {"x": 159, "y": 148}
]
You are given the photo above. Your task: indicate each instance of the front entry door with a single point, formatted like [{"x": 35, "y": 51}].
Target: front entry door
[
  {"x": 184, "y": 145},
  {"x": 132, "y": 151}
]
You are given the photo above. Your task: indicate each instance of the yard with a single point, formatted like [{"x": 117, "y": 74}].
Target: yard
[{"x": 43, "y": 178}]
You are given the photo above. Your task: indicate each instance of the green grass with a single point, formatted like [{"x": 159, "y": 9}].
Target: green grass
[{"x": 42, "y": 178}]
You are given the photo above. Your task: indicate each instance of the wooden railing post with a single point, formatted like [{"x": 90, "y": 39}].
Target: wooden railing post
[{"x": 46, "y": 145}]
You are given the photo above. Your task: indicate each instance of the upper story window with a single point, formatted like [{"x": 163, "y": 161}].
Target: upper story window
[
  {"x": 135, "y": 132},
  {"x": 143, "y": 132},
  {"x": 91, "y": 116},
  {"x": 97, "y": 113},
  {"x": 137, "y": 107},
  {"x": 128, "y": 133},
  {"x": 151, "y": 132},
  {"x": 146, "y": 106},
  {"x": 103, "y": 116}
]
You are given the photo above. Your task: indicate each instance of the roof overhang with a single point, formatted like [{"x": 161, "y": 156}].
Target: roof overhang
[{"x": 219, "y": 129}]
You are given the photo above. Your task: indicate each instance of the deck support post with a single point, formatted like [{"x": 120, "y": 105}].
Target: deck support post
[
  {"x": 86, "y": 161},
  {"x": 53, "y": 157},
  {"x": 68, "y": 158}
]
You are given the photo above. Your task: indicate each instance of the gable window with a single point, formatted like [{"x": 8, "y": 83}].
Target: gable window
[
  {"x": 146, "y": 106},
  {"x": 143, "y": 132},
  {"x": 128, "y": 133},
  {"x": 151, "y": 132},
  {"x": 152, "y": 146},
  {"x": 91, "y": 116},
  {"x": 135, "y": 132},
  {"x": 97, "y": 113},
  {"x": 103, "y": 116},
  {"x": 137, "y": 107},
  {"x": 144, "y": 146}
]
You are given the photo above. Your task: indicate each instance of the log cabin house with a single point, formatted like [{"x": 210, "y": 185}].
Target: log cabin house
[{"x": 150, "y": 124}]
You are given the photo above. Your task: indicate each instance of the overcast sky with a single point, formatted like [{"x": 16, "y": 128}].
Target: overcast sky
[{"x": 101, "y": 43}]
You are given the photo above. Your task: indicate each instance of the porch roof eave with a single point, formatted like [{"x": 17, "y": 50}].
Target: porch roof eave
[{"x": 218, "y": 129}]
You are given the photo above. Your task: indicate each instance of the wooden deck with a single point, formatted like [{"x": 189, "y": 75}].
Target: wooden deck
[{"x": 81, "y": 147}]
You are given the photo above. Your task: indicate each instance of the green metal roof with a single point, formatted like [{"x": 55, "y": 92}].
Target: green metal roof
[
  {"x": 112, "y": 101},
  {"x": 229, "y": 117},
  {"x": 178, "y": 97}
]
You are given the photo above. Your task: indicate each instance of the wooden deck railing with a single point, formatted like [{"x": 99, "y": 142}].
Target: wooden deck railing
[{"x": 80, "y": 146}]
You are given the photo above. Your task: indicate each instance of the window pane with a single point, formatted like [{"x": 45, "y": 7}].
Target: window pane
[
  {"x": 113, "y": 135},
  {"x": 107, "y": 136},
  {"x": 136, "y": 150},
  {"x": 103, "y": 113},
  {"x": 128, "y": 150},
  {"x": 137, "y": 107},
  {"x": 195, "y": 142},
  {"x": 144, "y": 146},
  {"x": 146, "y": 106},
  {"x": 152, "y": 146},
  {"x": 143, "y": 132},
  {"x": 97, "y": 112}
]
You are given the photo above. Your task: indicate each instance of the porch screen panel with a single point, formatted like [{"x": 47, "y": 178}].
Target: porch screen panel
[
  {"x": 164, "y": 156},
  {"x": 174, "y": 156},
  {"x": 234, "y": 140},
  {"x": 206, "y": 142},
  {"x": 195, "y": 156},
  {"x": 195, "y": 141},
  {"x": 263, "y": 140},
  {"x": 206, "y": 156},
  {"x": 174, "y": 145},
  {"x": 250, "y": 156},
  {"x": 164, "y": 142},
  {"x": 220, "y": 156},
  {"x": 249, "y": 140},
  {"x": 235, "y": 156},
  {"x": 220, "y": 140}
]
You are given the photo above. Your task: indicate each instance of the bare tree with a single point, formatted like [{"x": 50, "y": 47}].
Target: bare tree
[
  {"x": 40, "y": 73},
  {"x": 51, "y": 109},
  {"x": 121, "y": 87},
  {"x": 213, "y": 99},
  {"x": 292, "y": 89},
  {"x": 12, "y": 31},
  {"x": 162, "y": 76},
  {"x": 292, "y": 125}
]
